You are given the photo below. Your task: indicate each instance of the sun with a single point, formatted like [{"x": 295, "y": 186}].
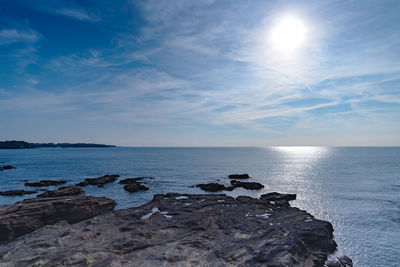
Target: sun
[{"x": 288, "y": 35}]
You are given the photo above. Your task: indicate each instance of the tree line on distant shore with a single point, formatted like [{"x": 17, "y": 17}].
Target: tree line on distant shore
[{"x": 23, "y": 144}]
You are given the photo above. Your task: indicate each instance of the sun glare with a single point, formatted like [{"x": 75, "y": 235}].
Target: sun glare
[{"x": 288, "y": 35}]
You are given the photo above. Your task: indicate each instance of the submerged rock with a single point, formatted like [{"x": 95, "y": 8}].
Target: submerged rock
[
  {"x": 131, "y": 180},
  {"x": 101, "y": 181},
  {"x": 239, "y": 176},
  {"x": 17, "y": 192},
  {"x": 6, "y": 167},
  {"x": 31, "y": 214},
  {"x": 46, "y": 183},
  {"x": 82, "y": 184},
  {"x": 182, "y": 230},
  {"x": 247, "y": 185},
  {"x": 63, "y": 191}
]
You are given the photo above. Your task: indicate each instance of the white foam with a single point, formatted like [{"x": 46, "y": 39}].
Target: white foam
[{"x": 181, "y": 197}]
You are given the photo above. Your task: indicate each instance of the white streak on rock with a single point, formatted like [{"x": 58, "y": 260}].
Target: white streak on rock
[
  {"x": 148, "y": 215},
  {"x": 265, "y": 215}
]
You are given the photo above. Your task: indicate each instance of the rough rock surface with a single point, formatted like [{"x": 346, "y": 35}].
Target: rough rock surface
[
  {"x": 16, "y": 192},
  {"x": 6, "y": 167},
  {"x": 101, "y": 181},
  {"x": 46, "y": 183},
  {"x": 62, "y": 192},
  {"x": 182, "y": 230},
  {"x": 342, "y": 261},
  {"x": 239, "y": 176},
  {"x": 31, "y": 214}
]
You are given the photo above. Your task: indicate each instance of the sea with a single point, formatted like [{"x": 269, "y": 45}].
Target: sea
[{"x": 357, "y": 189}]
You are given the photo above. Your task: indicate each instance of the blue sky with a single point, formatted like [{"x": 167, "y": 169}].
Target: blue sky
[{"x": 199, "y": 73}]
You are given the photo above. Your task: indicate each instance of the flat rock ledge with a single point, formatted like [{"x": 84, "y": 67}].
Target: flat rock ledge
[
  {"x": 182, "y": 230},
  {"x": 31, "y": 214},
  {"x": 63, "y": 191}
]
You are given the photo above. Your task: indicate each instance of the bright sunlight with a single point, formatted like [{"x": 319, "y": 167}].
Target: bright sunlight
[{"x": 288, "y": 35}]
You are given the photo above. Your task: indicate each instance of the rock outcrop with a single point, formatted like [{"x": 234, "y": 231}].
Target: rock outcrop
[
  {"x": 131, "y": 180},
  {"x": 31, "y": 214},
  {"x": 6, "y": 167},
  {"x": 82, "y": 184},
  {"x": 16, "y": 192},
  {"x": 239, "y": 176},
  {"x": 216, "y": 187},
  {"x": 342, "y": 261},
  {"x": 134, "y": 184},
  {"x": 46, "y": 183},
  {"x": 62, "y": 192},
  {"x": 101, "y": 181},
  {"x": 247, "y": 185},
  {"x": 134, "y": 187},
  {"x": 179, "y": 230}
]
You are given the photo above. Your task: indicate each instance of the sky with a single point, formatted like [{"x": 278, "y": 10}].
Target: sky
[{"x": 200, "y": 73}]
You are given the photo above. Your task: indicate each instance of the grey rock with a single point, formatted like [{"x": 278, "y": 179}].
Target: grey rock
[
  {"x": 131, "y": 180},
  {"x": 81, "y": 184},
  {"x": 6, "y": 167},
  {"x": 134, "y": 187},
  {"x": 17, "y": 192},
  {"x": 31, "y": 214},
  {"x": 239, "y": 176},
  {"x": 46, "y": 183},
  {"x": 101, "y": 181},
  {"x": 214, "y": 187},
  {"x": 342, "y": 261},
  {"x": 182, "y": 230},
  {"x": 247, "y": 185},
  {"x": 62, "y": 192}
]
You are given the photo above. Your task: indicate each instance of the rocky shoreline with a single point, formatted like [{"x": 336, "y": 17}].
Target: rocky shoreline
[
  {"x": 63, "y": 228},
  {"x": 172, "y": 229}
]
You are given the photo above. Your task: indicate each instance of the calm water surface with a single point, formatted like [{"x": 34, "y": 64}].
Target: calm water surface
[{"x": 356, "y": 189}]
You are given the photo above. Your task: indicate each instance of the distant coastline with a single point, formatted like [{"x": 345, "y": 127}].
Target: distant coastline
[{"x": 25, "y": 145}]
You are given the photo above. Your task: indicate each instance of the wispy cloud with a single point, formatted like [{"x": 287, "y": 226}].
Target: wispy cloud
[
  {"x": 12, "y": 35},
  {"x": 78, "y": 14}
]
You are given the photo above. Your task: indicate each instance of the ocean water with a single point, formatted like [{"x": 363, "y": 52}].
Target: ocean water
[{"x": 356, "y": 189}]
